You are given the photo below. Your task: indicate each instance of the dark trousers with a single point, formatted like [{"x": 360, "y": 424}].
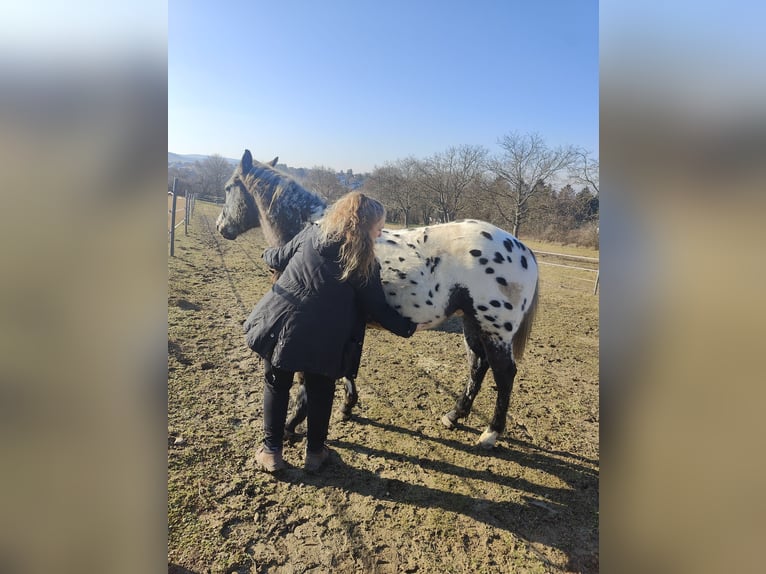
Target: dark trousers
[{"x": 320, "y": 391}]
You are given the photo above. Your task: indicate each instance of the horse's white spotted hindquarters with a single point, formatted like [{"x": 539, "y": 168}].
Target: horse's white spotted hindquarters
[
  {"x": 473, "y": 267},
  {"x": 422, "y": 267}
]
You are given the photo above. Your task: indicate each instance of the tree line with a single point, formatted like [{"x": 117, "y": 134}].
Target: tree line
[{"x": 528, "y": 187}]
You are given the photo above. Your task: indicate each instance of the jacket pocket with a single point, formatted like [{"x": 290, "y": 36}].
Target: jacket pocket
[{"x": 264, "y": 333}]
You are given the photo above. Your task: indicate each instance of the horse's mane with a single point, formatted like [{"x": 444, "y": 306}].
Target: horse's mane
[{"x": 285, "y": 206}]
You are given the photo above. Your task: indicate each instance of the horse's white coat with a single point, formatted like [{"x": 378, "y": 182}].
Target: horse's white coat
[{"x": 420, "y": 266}]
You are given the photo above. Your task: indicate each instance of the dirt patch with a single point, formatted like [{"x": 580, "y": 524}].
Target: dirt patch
[{"x": 402, "y": 493}]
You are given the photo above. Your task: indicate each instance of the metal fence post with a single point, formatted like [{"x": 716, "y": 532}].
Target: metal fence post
[
  {"x": 173, "y": 220},
  {"x": 186, "y": 212}
]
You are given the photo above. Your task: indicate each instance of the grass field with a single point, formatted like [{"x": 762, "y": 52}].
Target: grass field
[{"x": 403, "y": 494}]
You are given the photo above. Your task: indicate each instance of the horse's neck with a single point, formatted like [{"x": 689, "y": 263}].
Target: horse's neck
[{"x": 284, "y": 205}]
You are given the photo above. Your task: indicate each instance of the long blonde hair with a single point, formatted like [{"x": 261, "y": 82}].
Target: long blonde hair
[{"x": 350, "y": 221}]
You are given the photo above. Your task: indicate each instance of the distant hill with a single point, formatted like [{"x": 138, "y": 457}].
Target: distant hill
[
  {"x": 177, "y": 158},
  {"x": 184, "y": 164}
]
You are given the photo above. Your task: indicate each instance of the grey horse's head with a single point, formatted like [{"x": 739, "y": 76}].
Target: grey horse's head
[{"x": 239, "y": 212}]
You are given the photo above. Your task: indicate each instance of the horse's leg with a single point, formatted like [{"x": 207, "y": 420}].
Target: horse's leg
[
  {"x": 301, "y": 410},
  {"x": 504, "y": 370},
  {"x": 478, "y": 364},
  {"x": 351, "y": 397}
]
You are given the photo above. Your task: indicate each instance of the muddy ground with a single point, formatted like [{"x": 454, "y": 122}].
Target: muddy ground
[{"x": 403, "y": 493}]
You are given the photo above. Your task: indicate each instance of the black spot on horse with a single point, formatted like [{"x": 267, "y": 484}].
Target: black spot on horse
[
  {"x": 524, "y": 304},
  {"x": 387, "y": 262},
  {"x": 509, "y": 259},
  {"x": 436, "y": 288},
  {"x": 391, "y": 241},
  {"x": 523, "y": 262},
  {"x": 402, "y": 275},
  {"x": 475, "y": 252},
  {"x": 483, "y": 308},
  {"x": 428, "y": 302},
  {"x": 411, "y": 245},
  {"x": 501, "y": 280},
  {"x": 489, "y": 270},
  {"x": 396, "y": 235},
  {"x": 425, "y": 238},
  {"x": 416, "y": 306},
  {"x": 498, "y": 258},
  {"x": 489, "y": 318},
  {"x": 436, "y": 262},
  {"x": 508, "y": 306},
  {"x": 483, "y": 260},
  {"x": 508, "y": 244},
  {"x": 401, "y": 259},
  {"x": 508, "y": 326},
  {"x": 495, "y": 303},
  {"x": 392, "y": 293},
  {"x": 413, "y": 282},
  {"x": 385, "y": 282},
  {"x": 431, "y": 294},
  {"x": 487, "y": 234}
]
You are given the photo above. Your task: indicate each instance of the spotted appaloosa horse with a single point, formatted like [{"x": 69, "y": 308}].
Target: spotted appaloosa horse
[{"x": 429, "y": 273}]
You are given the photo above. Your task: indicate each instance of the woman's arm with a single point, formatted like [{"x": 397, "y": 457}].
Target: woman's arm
[
  {"x": 374, "y": 303},
  {"x": 278, "y": 257}
]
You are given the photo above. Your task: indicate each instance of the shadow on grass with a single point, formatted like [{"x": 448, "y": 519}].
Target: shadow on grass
[{"x": 566, "y": 520}]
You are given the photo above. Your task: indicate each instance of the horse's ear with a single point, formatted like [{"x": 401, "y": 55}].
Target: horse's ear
[
  {"x": 273, "y": 162},
  {"x": 247, "y": 162}
]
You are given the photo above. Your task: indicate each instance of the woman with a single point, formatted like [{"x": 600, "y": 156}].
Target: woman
[{"x": 313, "y": 319}]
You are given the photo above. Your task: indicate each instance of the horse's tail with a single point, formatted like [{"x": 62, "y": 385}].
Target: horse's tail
[{"x": 522, "y": 335}]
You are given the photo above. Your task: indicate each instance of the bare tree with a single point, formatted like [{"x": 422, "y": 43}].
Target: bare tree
[
  {"x": 526, "y": 165},
  {"x": 585, "y": 171},
  {"x": 393, "y": 185},
  {"x": 213, "y": 172},
  {"x": 324, "y": 181},
  {"x": 446, "y": 178},
  {"x": 186, "y": 179}
]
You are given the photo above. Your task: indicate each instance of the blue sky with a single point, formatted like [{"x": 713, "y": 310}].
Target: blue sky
[{"x": 354, "y": 84}]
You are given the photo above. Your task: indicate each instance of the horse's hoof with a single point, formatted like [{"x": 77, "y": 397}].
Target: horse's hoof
[
  {"x": 291, "y": 436},
  {"x": 488, "y": 439},
  {"x": 448, "y": 421}
]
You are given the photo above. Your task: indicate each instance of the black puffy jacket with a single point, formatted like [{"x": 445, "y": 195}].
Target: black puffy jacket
[{"x": 310, "y": 321}]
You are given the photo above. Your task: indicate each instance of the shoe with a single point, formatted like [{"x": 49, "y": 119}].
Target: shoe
[
  {"x": 269, "y": 461},
  {"x": 315, "y": 460}
]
